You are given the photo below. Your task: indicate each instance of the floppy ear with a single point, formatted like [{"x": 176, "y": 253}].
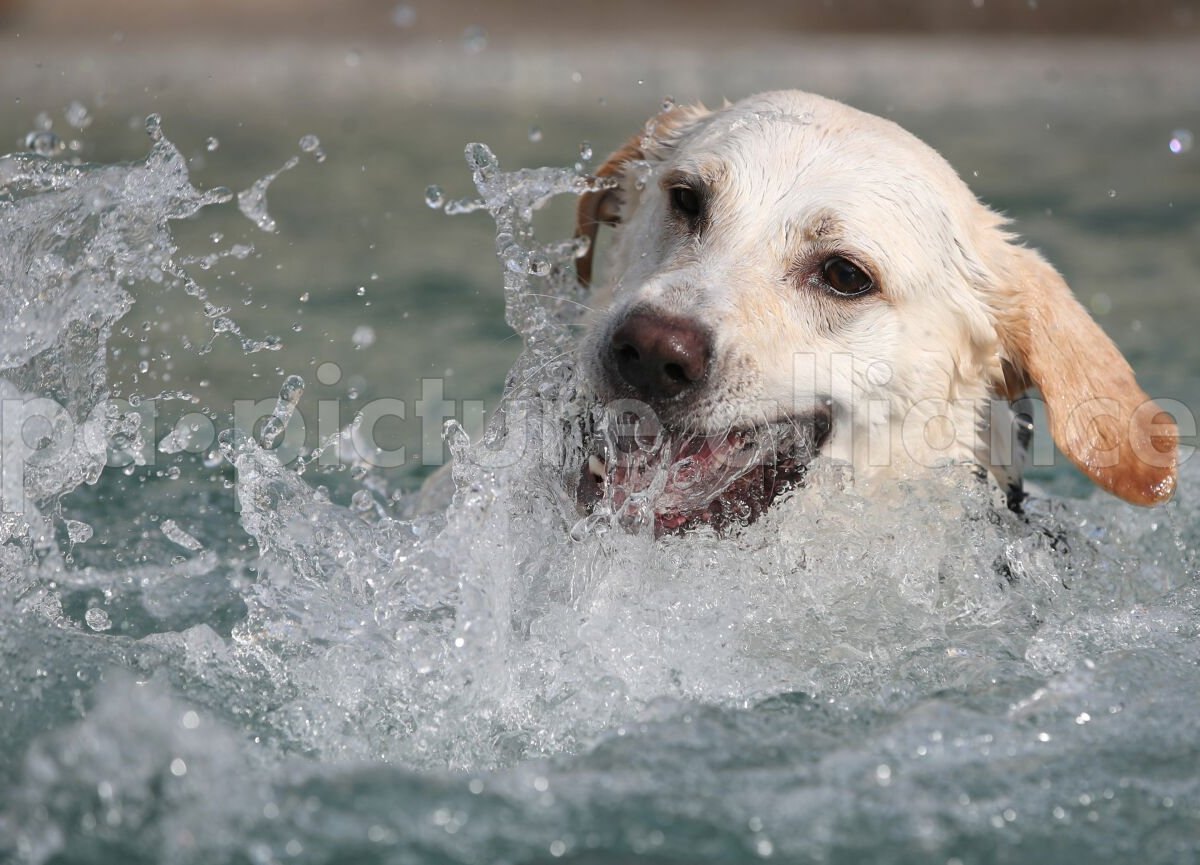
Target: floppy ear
[
  {"x": 1099, "y": 417},
  {"x": 605, "y": 206},
  {"x": 602, "y": 206}
]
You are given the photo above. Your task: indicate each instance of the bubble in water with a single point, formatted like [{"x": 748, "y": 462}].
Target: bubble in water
[
  {"x": 474, "y": 39},
  {"x": 1112, "y": 193},
  {"x": 585, "y": 151},
  {"x": 363, "y": 337},
  {"x": 535, "y": 133},
  {"x": 211, "y": 143},
  {"x": 434, "y": 197},
  {"x": 362, "y": 501},
  {"x": 77, "y": 115},
  {"x": 539, "y": 264},
  {"x": 176, "y": 535},
  {"x": 404, "y": 16},
  {"x": 44, "y": 143},
  {"x": 1181, "y": 141},
  {"x": 97, "y": 619}
]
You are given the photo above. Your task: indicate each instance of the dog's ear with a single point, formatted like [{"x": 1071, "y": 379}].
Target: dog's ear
[
  {"x": 605, "y": 206},
  {"x": 1098, "y": 415},
  {"x": 602, "y": 206}
]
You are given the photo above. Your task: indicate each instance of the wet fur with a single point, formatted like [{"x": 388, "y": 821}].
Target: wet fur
[{"x": 965, "y": 319}]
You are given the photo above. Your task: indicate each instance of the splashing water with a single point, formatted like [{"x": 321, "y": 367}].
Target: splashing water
[
  {"x": 496, "y": 681},
  {"x": 252, "y": 202}
]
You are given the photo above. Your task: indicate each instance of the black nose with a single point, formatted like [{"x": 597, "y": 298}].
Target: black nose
[{"x": 660, "y": 356}]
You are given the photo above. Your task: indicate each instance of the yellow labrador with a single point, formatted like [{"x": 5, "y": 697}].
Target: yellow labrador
[{"x": 791, "y": 277}]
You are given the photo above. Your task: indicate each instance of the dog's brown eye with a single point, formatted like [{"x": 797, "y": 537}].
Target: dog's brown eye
[
  {"x": 686, "y": 202},
  {"x": 845, "y": 277}
]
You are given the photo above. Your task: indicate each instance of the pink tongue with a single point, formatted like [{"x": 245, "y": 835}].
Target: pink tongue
[{"x": 699, "y": 471}]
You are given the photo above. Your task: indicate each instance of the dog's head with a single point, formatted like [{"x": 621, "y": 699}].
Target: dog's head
[{"x": 792, "y": 276}]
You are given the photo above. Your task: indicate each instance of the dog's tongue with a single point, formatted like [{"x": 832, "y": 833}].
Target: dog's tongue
[{"x": 681, "y": 481}]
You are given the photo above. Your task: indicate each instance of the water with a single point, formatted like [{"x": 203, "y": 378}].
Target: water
[{"x": 237, "y": 652}]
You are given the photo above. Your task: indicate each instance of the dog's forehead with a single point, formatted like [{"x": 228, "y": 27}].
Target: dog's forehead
[
  {"x": 793, "y": 140},
  {"x": 797, "y": 165}
]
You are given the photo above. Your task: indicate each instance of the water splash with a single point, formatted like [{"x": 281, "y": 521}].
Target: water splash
[
  {"x": 481, "y": 678},
  {"x": 252, "y": 202}
]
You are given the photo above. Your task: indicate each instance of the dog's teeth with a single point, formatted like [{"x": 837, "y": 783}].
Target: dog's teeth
[{"x": 597, "y": 468}]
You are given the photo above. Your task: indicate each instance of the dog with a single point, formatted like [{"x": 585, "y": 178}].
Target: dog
[{"x": 790, "y": 278}]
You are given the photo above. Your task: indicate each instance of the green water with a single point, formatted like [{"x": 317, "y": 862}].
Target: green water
[{"x": 320, "y": 684}]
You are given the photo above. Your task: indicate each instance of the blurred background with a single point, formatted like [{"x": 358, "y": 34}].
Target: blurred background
[
  {"x": 437, "y": 19},
  {"x": 1075, "y": 117}
]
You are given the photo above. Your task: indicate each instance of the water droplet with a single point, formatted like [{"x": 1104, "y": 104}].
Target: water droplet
[
  {"x": 539, "y": 264},
  {"x": 361, "y": 291},
  {"x": 78, "y": 532},
  {"x": 435, "y": 198},
  {"x": 77, "y": 115},
  {"x": 481, "y": 160},
  {"x": 585, "y": 151},
  {"x": 211, "y": 143},
  {"x": 668, "y": 103},
  {"x": 404, "y": 16},
  {"x": 154, "y": 127},
  {"x": 311, "y": 144},
  {"x": 362, "y": 501},
  {"x": 289, "y": 397},
  {"x": 252, "y": 202},
  {"x": 1181, "y": 141},
  {"x": 1112, "y": 193},
  {"x": 44, "y": 143},
  {"x": 577, "y": 77},
  {"x": 474, "y": 39},
  {"x": 329, "y": 373},
  {"x": 363, "y": 337},
  {"x": 353, "y": 58},
  {"x": 178, "y": 767},
  {"x": 176, "y": 535},
  {"x": 535, "y": 133},
  {"x": 1101, "y": 303},
  {"x": 97, "y": 619}
]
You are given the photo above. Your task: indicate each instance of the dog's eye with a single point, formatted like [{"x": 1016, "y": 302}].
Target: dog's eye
[
  {"x": 686, "y": 202},
  {"x": 845, "y": 277}
]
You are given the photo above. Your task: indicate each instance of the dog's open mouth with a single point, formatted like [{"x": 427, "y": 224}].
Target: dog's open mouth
[{"x": 680, "y": 481}]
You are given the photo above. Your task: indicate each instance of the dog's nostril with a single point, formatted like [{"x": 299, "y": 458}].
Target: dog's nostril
[
  {"x": 628, "y": 354},
  {"x": 660, "y": 356},
  {"x": 675, "y": 372}
]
